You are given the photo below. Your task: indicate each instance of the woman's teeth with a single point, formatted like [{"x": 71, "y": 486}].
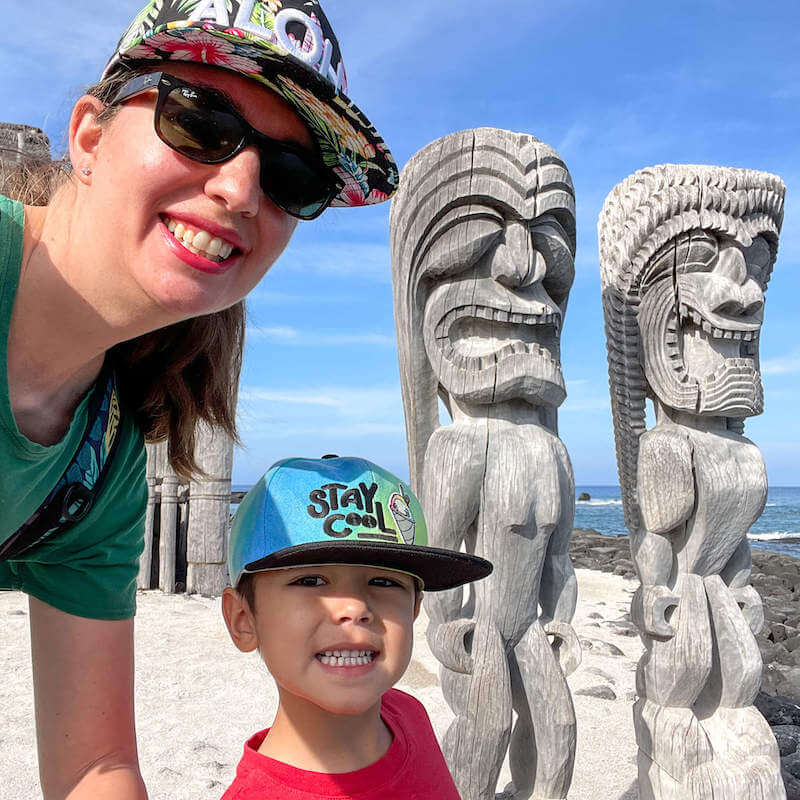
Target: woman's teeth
[
  {"x": 346, "y": 658},
  {"x": 200, "y": 242}
]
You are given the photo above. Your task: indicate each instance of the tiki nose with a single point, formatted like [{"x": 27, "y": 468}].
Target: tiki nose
[
  {"x": 735, "y": 294},
  {"x": 514, "y": 263}
]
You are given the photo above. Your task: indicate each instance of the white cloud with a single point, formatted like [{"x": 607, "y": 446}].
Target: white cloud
[
  {"x": 782, "y": 365},
  {"x": 281, "y": 332},
  {"x": 288, "y": 335},
  {"x": 333, "y": 258},
  {"x": 363, "y": 405}
]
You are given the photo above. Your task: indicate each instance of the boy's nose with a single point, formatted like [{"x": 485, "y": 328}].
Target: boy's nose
[{"x": 353, "y": 609}]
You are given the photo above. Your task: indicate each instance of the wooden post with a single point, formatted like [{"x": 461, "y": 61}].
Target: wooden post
[
  {"x": 209, "y": 514},
  {"x": 156, "y": 460},
  {"x": 686, "y": 252},
  {"x": 22, "y": 142},
  {"x": 170, "y": 487}
]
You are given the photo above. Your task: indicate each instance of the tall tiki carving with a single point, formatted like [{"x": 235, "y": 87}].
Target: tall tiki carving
[
  {"x": 686, "y": 254},
  {"x": 483, "y": 247}
]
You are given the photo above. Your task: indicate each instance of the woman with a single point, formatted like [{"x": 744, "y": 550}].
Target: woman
[{"x": 217, "y": 124}]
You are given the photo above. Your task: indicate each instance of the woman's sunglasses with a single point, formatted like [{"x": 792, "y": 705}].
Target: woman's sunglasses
[{"x": 198, "y": 123}]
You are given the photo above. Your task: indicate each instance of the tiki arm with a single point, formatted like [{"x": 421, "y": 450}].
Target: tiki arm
[
  {"x": 736, "y": 574},
  {"x": 558, "y": 593},
  {"x": 666, "y": 495},
  {"x": 454, "y": 465}
]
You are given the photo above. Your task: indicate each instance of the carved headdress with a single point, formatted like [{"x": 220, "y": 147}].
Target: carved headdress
[
  {"x": 475, "y": 178},
  {"x": 640, "y": 216}
]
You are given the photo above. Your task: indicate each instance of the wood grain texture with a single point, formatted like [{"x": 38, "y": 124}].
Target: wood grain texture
[
  {"x": 203, "y": 509},
  {"x": 209, "y": 513},
  {"x": 686, "y": 254},
  {"x": 483, "y": 246},
  {"x": 170, "y": 515}
]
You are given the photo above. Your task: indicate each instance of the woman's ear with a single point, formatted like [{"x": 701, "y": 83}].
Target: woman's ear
[
  {"x": 85, "y": 132},
  {"x": 240, "y": 620}
]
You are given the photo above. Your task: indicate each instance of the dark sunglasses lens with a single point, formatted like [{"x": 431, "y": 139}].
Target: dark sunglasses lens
[
  {"x": 298, "y": 187},
  {"x": 197, "y": 127}
]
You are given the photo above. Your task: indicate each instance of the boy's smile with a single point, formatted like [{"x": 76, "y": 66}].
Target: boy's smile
[{"x": 335, "y": 636}]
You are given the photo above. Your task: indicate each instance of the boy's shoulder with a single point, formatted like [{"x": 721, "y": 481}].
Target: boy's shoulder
[
  {"x": 400, "y": 703},
  {"x": 413, "y": 768}
]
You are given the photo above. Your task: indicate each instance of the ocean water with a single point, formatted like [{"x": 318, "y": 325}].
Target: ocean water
[{"x": 777, "y": 529}]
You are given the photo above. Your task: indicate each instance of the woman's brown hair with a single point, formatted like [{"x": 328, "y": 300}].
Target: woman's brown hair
[{"x": 173, "y": 377}]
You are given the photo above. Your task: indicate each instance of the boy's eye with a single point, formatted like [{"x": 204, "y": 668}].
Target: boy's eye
[
  {"x": 381, "y": 581},
  {"x": 309, "y": 580}
]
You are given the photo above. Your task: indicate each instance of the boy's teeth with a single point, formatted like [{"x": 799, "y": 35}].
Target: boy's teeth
[
  {"x": 200, "y": 242},
  {"x": 346, "y": 658}
]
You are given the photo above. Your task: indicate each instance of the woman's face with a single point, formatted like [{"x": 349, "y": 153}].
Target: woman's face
[{"x": 140, "y": 190}]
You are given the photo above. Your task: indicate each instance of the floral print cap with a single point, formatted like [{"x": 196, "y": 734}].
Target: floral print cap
[{"x": 287, "y": 45}]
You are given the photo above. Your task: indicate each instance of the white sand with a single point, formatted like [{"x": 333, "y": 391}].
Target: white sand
[{"x": 198, "y": 698}]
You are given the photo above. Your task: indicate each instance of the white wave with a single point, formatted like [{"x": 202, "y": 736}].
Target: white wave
[
  {"x": 775, "y": 536},
  {"x": 615, "y": 502}
]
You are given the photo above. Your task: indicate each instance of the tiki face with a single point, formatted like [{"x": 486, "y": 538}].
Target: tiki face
[
  {"x": 706, "y": 308},
  {"x": 497, "y": 288}
]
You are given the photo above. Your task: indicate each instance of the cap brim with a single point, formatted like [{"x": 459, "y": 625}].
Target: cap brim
[
  {"x": 349, "y": 144},
  {"x": 438, "y": 569}
]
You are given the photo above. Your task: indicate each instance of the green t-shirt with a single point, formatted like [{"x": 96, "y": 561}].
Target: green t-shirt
[{"x": 90, "y": 569}]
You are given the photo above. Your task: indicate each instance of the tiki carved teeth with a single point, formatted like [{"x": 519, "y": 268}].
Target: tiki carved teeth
[
  {"x": 694, "y": 323},
  {"x": 496, "y": 315}
]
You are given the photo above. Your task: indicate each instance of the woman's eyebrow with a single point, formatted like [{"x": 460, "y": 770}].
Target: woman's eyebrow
[{"x": 220, "y": 94}]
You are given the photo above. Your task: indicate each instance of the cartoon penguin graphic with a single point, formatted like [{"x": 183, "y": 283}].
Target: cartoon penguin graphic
[{"x": 403, "y": 518}]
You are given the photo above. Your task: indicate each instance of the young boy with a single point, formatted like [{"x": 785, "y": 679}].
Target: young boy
[{"x": 328, "y": 559}]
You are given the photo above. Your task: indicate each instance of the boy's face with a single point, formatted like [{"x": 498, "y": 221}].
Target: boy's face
[{"x": 305, "y": 616}]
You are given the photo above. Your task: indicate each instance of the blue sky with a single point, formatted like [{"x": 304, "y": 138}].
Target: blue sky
[{"x": 614, "y": 86}]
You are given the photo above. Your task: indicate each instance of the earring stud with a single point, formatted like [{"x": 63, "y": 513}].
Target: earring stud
[{"x": 86, "y": 171}]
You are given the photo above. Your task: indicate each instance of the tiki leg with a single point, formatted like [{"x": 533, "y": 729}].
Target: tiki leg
[
  {"x": 475, "y": 744},
  {"x": 670, "y": 676},
  {"x": 745, "y": 752},
  {"x": 543, "y": 741}
]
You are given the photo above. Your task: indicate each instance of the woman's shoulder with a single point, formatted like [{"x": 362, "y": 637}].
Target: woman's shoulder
[{"x": 12, "y": 222}]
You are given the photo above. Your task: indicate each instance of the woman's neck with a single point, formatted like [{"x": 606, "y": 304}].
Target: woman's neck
[
  {"x": 58, "y": 334},
  {"x": 308, "y": 737}
]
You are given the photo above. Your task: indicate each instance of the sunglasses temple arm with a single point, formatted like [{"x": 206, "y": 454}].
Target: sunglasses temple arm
[{"x": 136, "y": 86}]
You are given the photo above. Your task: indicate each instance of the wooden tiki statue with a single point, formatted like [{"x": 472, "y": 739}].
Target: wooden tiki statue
[
  {"x": 483, "y": 248},
  {"x": 686, "y": 253}
]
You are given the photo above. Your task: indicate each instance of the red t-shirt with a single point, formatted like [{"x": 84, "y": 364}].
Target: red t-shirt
[{"x": 412, "y": 769}]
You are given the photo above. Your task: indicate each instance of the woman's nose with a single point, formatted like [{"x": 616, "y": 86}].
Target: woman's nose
[{"x": 237, "y": 183}]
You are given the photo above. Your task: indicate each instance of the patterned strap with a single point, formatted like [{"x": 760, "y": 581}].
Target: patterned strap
[{"x": 73, "y": 495}]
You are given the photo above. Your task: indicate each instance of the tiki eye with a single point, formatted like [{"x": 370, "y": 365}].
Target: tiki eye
[
  {"x": 551, "y": 240},
  {"x": 458, "y": 242},
  {"x": 692, "y": 251},
  {"x": 759, "y": 259}
]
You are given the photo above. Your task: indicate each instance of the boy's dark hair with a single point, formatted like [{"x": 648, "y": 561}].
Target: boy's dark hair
[{"x": 246, "y": 589}]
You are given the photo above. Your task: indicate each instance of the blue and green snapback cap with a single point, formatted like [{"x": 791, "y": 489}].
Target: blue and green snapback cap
[{"x": 340, "y": 510}]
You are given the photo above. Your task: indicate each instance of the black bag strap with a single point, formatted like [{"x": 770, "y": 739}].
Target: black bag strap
[{"x": 74, "y": 494}]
